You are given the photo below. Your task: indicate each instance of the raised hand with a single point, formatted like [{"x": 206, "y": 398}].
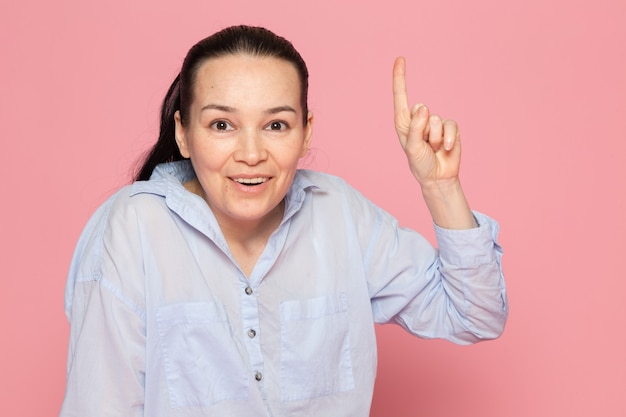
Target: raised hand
[
  {"x": 432, "y": 145},
  {"x": 433, "y": 148}
]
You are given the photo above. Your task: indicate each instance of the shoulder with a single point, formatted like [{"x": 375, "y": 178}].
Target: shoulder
[
  {"x": 122, "y": 208},
  {"x": 115, "y": 220},
  {"x": 107, "y": 254},
  {"x": 101, "y": 218}
]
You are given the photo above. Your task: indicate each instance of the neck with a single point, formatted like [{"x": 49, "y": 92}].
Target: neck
[
  {"x": 246, "y": 238},
  {"x": 243, "y": 231}
]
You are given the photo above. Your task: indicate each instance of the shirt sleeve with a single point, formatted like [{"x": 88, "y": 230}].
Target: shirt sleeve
[
  {"x": 106, "y": 354},
  {"x": 456, "y": 292}
]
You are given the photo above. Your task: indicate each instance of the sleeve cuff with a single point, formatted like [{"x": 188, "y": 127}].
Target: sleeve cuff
[{"x": 470, "y": 247}]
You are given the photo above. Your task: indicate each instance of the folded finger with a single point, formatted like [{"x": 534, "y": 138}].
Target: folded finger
[
  {"x": 435, "y": 135},
  {"x": 450, "y": 134}
]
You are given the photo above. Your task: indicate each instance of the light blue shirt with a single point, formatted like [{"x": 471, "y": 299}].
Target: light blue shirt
[{"x": 164, "y": 323}]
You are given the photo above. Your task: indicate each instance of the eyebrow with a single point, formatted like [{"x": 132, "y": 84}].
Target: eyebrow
[
  {"x": 279, "y": 109},
  {"x": 229, "y": 109}
]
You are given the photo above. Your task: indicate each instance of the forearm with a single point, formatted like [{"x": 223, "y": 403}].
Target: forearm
[
  {"x": 447, "y": 205},
  {"x": 456, "y": 292}
]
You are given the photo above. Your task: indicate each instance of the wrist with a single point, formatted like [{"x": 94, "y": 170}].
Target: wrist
[
  {"x": 442, "y": 188},
  {"x": 447, "y": 204}
]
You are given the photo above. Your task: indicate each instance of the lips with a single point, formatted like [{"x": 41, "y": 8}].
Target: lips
[{"x": 251, "y": 181}]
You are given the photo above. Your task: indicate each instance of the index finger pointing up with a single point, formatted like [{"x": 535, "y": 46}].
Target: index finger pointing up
[{"x": 400, "y": 98}]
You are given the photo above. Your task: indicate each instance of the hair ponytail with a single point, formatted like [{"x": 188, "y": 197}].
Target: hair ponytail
[{"x": 165, "y": 149}]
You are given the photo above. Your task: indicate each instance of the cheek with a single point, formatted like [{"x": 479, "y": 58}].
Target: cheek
[
  {"x": 294, "y": 151},
  {"x": 206, "y": 157},
  {"x": 288, "y": 161},
  {"x": 304, "y": 150}
]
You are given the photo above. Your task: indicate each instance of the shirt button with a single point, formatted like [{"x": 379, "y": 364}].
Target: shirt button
[
  {"x": 258, "y": 376},
  {"x": 248, "y": 290},
  {"x": 251, "y": 333}
]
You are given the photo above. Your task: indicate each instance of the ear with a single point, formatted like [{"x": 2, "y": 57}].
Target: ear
[
  {"x": 308, "y": 134},
  {"x": 181, "y": 138}
]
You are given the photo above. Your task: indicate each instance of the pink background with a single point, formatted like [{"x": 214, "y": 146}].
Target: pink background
[{"x": 539, "y": 90}]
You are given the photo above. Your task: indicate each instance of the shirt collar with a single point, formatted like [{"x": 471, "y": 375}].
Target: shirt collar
[{"x": 167, "y": 181}]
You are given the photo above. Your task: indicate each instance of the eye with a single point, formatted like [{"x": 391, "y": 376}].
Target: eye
[
  {"x": 221, "y": 125},
  {"x": 277, "y": 125}
]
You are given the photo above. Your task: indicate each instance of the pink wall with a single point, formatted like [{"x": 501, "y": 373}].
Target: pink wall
[{"x": 539, "y": 90}]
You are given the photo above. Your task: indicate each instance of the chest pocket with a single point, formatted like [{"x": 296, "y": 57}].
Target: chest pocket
[
  {"x": 202, "y": 364},
  {"x": 315, "y": 348}
]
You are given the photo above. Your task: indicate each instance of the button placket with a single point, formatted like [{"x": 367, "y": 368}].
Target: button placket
[{"x": 251, "y": 328}]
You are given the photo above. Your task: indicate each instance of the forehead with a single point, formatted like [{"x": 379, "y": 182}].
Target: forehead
[{"x": 246, "y": 79}]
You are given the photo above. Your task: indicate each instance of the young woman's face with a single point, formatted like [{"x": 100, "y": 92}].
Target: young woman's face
[{"x": 244, "y": 135}]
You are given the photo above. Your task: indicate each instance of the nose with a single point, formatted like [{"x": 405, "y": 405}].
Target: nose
[{"x": 250, "y": 147}]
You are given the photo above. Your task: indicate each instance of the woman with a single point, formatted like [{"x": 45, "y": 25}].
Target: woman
[{"x": 225, "y": 282}]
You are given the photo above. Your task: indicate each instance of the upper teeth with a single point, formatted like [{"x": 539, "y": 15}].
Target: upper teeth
[{"x": 258, "y": 180}]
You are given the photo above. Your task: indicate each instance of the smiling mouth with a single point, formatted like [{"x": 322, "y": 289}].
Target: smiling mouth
[{"x": 251, "y": 181}]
